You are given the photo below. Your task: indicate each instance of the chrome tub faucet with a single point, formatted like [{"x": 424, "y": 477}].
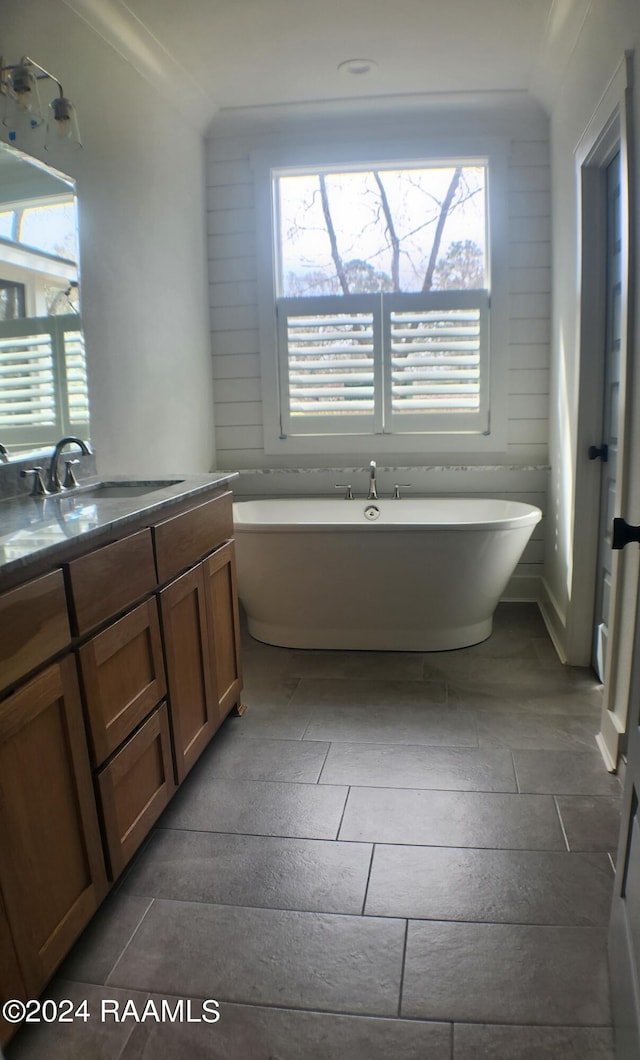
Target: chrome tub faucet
[{"x": 373, "y": 488}]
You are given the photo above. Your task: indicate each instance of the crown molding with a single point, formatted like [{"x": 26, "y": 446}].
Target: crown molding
[
  {"x": 123, "y": 31},
  {"x": 563, "y": 29}
]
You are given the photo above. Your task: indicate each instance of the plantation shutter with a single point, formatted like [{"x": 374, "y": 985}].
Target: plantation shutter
[
  {"x": 43, "y": 380},
  {"x": 392, "y": 363},
  {"x": 436, "y": 361},
  {"x": 330, "y": 364}
]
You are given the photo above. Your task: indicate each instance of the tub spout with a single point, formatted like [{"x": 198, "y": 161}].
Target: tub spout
[{"x": 373, "y": 489}]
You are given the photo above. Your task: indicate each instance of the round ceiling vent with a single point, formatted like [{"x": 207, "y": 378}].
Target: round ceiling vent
[{"x": 357, "y": 67}]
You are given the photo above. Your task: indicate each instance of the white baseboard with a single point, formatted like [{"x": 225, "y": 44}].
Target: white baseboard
[
  {"x": 523, "y": 588},
  {"x": 552, "y": 619}
]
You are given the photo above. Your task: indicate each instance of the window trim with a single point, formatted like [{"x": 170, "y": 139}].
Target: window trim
[{"x": 266, "y": 162}]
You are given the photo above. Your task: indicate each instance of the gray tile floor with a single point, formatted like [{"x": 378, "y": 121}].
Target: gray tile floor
[{"x": 389, "y": 856}]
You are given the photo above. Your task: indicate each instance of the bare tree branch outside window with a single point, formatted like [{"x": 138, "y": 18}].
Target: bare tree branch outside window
[{"x": 382, "y": 229}]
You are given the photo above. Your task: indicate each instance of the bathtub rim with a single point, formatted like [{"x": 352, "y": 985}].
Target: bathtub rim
[{"x": 526, "y": 514}]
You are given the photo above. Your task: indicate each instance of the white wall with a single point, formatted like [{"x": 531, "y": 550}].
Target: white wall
[
  {"x": 581, "y": 92},
  {"x": 140, "y": 182},
  {"x": 606, "y": 31}
]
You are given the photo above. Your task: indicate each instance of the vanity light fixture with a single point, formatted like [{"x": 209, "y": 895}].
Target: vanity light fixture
[{"x": 23, "y": 111}]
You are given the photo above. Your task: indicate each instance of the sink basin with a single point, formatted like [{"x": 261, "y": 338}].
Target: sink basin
[{"x": 106, "y": 490}]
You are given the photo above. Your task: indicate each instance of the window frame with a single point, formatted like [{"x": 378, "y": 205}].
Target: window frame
[{"x": 490, "y": 438}]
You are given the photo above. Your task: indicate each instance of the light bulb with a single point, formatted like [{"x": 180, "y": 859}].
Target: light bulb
[
  {"x": 22, "y": 110},
  {"x": 62, "y": 126}
]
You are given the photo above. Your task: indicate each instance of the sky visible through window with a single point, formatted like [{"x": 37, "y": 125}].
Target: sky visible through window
[
  {"x": 405, "y": 229},
  {"x": 51, "y": 228}
]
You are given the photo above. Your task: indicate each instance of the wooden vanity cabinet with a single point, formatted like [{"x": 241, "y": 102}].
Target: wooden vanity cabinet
[
  {"x": 69, "y": 765},
  {"x": 52, "y": 875}
]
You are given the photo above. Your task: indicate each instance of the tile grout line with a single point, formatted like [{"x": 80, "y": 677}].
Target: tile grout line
[
  {"x": 366, "y": 886},
  {"x": 128, "y": 942},
  {"x": 376, "y": 842},
  {"x": 403, "y": 967},
  {"x": 344, "y": 810},
  {"x": 324, "y": 762},
  {"x": 515, "y": 773},
  {"x": 564, "y": 832}
]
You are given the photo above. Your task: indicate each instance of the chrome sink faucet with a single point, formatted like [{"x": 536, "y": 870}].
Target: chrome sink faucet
[
  {"x": 54, "y": 484},
  {"x": 373, "y": 488}
]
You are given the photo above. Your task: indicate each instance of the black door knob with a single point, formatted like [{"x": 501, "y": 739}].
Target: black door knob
[
  {"x": 623, "y": 533},
  {"x": 601, "y": 451}
]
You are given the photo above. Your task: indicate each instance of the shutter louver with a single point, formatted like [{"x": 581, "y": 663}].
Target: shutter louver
[
  {"x": 331, "y": 363},
  {"x": 27, "y": 390},
  {"x": 77, "y": 383},
  {"x": 435, "y": 360},
  {"x": 43, "y": 380}
]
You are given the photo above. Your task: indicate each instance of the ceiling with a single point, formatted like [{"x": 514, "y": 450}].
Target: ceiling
[{"x": 228, "y": 54}]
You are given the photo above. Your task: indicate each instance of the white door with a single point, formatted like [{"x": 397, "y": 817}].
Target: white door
[{"x": 607, "y": 451}]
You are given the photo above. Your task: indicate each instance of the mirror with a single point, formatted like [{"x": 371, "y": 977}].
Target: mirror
[{"x": 43, "y": 377}]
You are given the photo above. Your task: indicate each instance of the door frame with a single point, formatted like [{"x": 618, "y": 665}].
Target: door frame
[{"x": 608, "y": 132}]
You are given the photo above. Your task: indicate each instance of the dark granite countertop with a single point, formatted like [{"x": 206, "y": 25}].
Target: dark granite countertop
[{"x": 40, "y": 530}]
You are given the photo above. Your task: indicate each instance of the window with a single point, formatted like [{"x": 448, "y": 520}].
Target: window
[
  {"x": 12, "y": 300},
  {"x": 381, "y": 285}
]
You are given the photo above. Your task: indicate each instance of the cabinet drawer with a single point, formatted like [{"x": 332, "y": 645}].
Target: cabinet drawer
[
  {"x": 123, "y": 676},
  {"x": 183, "y": 540},
  {"x": 134, "y": 789},
  {"x": 108, "y": 580},
  {"x": 34, "y": 624}
]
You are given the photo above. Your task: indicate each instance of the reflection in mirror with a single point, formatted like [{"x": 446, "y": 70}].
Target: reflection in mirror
[{"x": 43, "y": 377}]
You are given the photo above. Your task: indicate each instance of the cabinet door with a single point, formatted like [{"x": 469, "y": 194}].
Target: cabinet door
[
  {"x": 52, "y": 872},
  {"x": 193, "y": 712},
  {"x": 11, "y": 983},
  {"x": 224, "y": 626}
]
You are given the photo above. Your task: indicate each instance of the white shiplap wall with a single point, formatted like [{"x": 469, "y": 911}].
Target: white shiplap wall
[{"x": 234, "y": 307}]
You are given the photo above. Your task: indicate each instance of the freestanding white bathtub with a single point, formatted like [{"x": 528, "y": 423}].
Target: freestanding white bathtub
[{"x": 398, "y": 575}]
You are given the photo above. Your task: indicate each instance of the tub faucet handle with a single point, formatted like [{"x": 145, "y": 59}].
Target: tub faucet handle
[
  {"x": 400, "y": 486},
  {"x": 346, "y": 486}
]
